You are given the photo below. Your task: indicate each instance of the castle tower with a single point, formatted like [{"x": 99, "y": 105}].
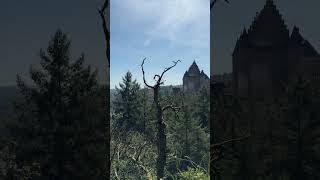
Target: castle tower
[
  {"x": 260, "y": 56},
  {"x": 266, "y": 57},
  {"x": 193, "y": 79}
]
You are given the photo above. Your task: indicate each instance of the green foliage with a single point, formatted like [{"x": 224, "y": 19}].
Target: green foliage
[
  {"x": 202, "y": 107},
  {"x": 194, "y": 174},
  {"x": 132, "y": 141},
  {"x": 187, "y": 132},
  {"x": 187, "y": 136},
  {"x": 128, "y": 104}
]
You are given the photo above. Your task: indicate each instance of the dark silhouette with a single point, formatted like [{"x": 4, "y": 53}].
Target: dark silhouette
[
  {"x": 106, "y": 31},
  {"x": 60, "y": 125},
  {"x": 102, "y": 11},
  {"x": 266, "y": 57},
  {"x": 275, "y": 75}
]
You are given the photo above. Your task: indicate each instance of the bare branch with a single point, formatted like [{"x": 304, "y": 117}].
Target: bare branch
[
  {"x": 212, "y": 4},
  {"x": 166, "y": 70},
  {"x": 173, "y": 108},
  {"x": 140, "y": 149},
  {"x": 217, "y": 153},
  {"x": 144, "y": 76},
  {"x": 116, "y": 173},
  {"x": 137, "y": 161},
  {"x": 229, "y": 141},
  {"x": 156, "y": 76},
  {"x": 105, "y": 28},
  {"x": 105, "y": 5}
]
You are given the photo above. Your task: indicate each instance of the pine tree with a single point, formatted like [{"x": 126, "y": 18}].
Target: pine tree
[
  {"x": 132, "y": 131},
  {"x": 128, "y": 104},
  {"x": 202, "y": 107},
  {"x": 60, "y": 117},
  {"x": 188, "y": 140}
]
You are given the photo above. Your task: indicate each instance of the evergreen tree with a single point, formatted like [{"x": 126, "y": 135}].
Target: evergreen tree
[
  {"x": 128, "y": 105},
  {"x": 132, "y": 132},
  {"x": 61, "y": 117},
  {"x": 202, "y": 107},
  {"x": 188, "y": 140}
]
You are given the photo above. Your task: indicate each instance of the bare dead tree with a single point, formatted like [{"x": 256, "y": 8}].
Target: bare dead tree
[
  {"x": 106, "y": 31},
  {"x": 104, "y": 16},
  {"x": 161, "y": 126}
]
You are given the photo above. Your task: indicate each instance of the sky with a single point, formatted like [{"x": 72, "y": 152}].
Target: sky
[
  {"x": 228, "y": 21},
  {"x": 161, "y": 31},
  {"x": 27, "y": 26}
]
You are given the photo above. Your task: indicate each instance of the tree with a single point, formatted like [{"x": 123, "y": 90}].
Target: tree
[
  {"x": 105, "y": 28},
  {"x": 202, "y": 107},
  {"x": 102, "y": 12},
  {"x": 132, "y": 137},
  {"x": 161, "y": 124},
  {"x": 61, "y": 117},
  {"x": 129, "y": 105}
]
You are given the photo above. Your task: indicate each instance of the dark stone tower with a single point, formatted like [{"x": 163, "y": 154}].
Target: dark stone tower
[{"x": 266, "y": 57}]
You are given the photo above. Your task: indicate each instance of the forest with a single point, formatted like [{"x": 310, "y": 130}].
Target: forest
[
  {"x": 276, "y": 138},
  {"x": 58, "y": 130},
  {"x": 134, "y": 139}
]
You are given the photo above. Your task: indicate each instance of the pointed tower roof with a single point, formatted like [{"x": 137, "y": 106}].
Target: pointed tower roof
[
  {"x": 204, "y": 75},
  {"x": 194, "y": 64},
  {"x": 185, "y": 74},
  {"x": 194, "y": 69},
  {"x": 242, "y": 42},
  {"x": 296, "y": 40},
  {"x": 268, "y": 27}
]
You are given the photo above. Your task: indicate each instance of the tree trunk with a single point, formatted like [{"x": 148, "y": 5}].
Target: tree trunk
[{"x": 161, "y": 141}]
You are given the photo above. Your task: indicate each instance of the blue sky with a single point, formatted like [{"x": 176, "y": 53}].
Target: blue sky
[{"x": 161, "y": 31}]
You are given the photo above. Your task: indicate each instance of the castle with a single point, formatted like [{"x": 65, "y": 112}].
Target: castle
[
  {"x": 267, "y": 57},
  {"x": 193, "y": 79}
]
